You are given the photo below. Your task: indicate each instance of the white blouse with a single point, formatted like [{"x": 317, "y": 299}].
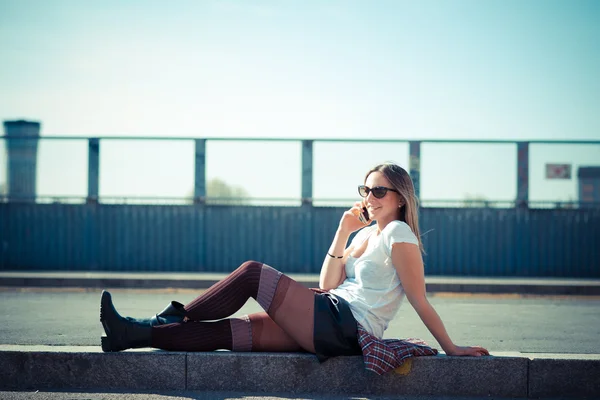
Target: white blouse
[{"x": 372, "y": 287}]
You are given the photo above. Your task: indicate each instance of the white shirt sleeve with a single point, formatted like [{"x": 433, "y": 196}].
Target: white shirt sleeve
[{"x": 397, "y": 232}]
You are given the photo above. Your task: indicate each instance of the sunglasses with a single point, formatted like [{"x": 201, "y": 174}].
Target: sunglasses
[{"x": 378, "y": 191}]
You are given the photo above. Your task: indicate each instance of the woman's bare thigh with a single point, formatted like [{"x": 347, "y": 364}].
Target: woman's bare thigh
[{"x": 268, "y": 336}]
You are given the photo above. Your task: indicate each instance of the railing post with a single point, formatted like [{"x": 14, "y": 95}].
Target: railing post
[
  {"x": 307, "y": 172},
  {"x": 522, "y": 174},
  {"x": 93, "y": 170},
  {"x": 200, "y": 172},
  {"x": 415, "y": 166},
  {"x": 22, "y": 147}
]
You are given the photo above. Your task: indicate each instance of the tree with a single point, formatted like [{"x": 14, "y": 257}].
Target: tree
[
  {"x": 475, "y": 201},
  {"x": 220, "y": 192}
]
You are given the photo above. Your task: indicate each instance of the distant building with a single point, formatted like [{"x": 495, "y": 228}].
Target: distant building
[
  {"x": 21, "y": 145},
  {"x": 589, "y": 184}
]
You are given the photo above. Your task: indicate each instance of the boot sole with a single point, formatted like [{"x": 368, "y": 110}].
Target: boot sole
[
  {"x": 110, "y": 346},
  {"x": 106, "y": 345}
]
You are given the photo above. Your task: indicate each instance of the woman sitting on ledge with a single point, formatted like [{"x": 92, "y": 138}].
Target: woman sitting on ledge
[{"x": 361, "y": 288}]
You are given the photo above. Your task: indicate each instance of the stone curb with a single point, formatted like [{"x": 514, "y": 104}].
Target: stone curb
[
  {"x": 87, "y": 368},
  {"x": 100, "y": 280}
]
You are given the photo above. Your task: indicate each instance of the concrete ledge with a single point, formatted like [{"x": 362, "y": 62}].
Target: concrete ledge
[
  {"x": 436, "y": 376},
  {"x": 85, "y": 370},
  {"x": 202, "y": 280},
  {"x": 577, "y": 378},
  {"x": 502, "y": 375}
]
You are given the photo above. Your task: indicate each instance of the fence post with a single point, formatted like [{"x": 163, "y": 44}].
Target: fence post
[
  {"x": 307, "y": 172},
  {"x": 22, "y": 147},
  {"x": 522, "y": 174},
  {"x": 200, "y": 172},
  {"x": 306, "y": 236},
  {"x": 93, "y": 170},
  {"x": 415, "y": 166}
]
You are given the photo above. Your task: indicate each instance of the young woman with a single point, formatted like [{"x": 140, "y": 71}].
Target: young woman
[{"x": 361, "y": 288}]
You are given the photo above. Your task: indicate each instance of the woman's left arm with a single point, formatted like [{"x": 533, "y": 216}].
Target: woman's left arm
[{"x": 408, "y": 262}]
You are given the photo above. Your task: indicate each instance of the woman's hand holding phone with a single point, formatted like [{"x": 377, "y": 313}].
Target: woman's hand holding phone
[{"x": 355, "y": 218}]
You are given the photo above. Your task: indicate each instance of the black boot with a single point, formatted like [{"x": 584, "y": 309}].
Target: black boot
[
  {"x": 130, "y": 333},
  {"x": 173, "y": 313}
]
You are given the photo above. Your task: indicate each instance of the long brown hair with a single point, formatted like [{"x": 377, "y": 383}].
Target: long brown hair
[{"x": 400, "y": 180}]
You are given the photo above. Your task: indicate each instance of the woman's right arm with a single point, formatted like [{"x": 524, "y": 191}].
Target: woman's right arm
[{"x": 333, "y": 272}]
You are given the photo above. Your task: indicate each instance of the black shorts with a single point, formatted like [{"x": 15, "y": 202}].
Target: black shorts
[{"x": 335, "y": 331}]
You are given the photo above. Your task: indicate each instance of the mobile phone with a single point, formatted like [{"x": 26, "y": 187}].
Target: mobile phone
[{"x": 364, "y": 216}]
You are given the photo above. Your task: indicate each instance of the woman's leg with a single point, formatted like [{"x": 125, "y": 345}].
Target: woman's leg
[
  {"x": 198, "y": 336},
  {"x": 268, "y": 336},
  {"x": 288, "y": 303},
  {"x": 227, "y": 296},
  {"x": 256, "y": 332},
  {"x": 293, "y": 311}
]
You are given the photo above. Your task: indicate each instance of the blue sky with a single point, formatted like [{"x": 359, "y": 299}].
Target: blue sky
[{"x": 514, "y": 70}]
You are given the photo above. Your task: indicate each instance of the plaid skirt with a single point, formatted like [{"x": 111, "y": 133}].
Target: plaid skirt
[{"x": 335, "y": 331}]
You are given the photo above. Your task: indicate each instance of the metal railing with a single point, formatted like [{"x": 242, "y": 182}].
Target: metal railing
[{"x": 21, "y": 161}]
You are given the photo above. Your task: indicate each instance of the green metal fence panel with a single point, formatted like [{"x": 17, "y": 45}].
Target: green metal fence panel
[{"x": 461, "y": 242}]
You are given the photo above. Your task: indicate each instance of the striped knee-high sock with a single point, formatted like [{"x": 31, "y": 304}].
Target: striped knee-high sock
[
  {"x": 251, "y": 279},
  {"x": 227, "y": 334}
]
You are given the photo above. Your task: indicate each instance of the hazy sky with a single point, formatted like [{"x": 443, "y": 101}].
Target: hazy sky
[{"x": 515, "y": 70}]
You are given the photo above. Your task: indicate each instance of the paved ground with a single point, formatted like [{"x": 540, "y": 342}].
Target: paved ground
[
  {"x": 500, "y": 323},
  {"x": 203, "y": 280}
]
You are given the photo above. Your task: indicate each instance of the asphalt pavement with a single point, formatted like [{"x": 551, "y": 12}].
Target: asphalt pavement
[{"x": 501, "y": 323}]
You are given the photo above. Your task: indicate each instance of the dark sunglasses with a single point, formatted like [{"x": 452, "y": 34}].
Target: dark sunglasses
[{"x": 378, "y": 191}]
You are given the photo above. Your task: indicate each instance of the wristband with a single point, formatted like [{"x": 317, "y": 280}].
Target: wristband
[{"x": 334, "y": 256}]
